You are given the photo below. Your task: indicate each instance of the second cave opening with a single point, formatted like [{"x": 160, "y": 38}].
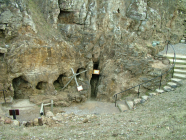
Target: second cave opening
[{"x": 94, "y": 83}]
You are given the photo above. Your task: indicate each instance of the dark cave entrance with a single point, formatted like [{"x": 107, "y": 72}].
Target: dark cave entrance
[
  {"x": 58, "y": 84},
  {"x": 94, "y": 82},
  {"x": 22, "y": 88},
  {"x": 66, "y": 17},
  {"x": 2, "y": 33},
  {"x": 1, "y": 56},
  {"x": 41, "y": 85}
]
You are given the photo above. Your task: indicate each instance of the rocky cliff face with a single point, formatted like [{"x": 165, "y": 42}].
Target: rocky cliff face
[{"x": 41, "y": 40}]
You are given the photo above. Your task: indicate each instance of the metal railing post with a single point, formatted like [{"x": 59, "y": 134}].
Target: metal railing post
[
  {"x": 138, "y": 91},
  {"x": 172, "y": 72},
  {"x": 115, "y": 99},
  {"x": 172, "y": 68},
  {"x": 167, "y": 47},
  {"x": 160, "y": 82}
]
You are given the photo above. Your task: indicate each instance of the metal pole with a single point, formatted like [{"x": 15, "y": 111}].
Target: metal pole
[
  {"x": 115, "y": 99},
  {"x": 160, "y": 82},
  {"x": 75, "y": 77},
  {"x": 14, "y": 114},
  {"x": 138, "y": 91},
  {"x": 167, "y": 47},
  {"x": 172, "y": 72},
  {"x": 41, "y": 110}
]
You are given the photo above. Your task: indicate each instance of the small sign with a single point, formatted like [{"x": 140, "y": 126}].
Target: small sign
[
  {"x": 80, "y": 88},
  {"x": 96, "y": 72},
  {"x": 14, "y": 112}
]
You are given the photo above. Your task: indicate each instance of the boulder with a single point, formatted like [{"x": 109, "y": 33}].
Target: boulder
[
  {"x": 8, "y": 121},
  {"x": 49, "y": 114},
  {"x": 15, "y": 123}
]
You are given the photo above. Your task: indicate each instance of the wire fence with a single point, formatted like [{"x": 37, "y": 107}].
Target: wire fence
[{"x": 172, "y": 68}]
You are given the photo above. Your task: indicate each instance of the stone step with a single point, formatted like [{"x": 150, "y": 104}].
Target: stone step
[
  {"x": 172, "y": 84},
  {"x": 177, "y": 56},
  {"x": 153, "y": 94},
  {"x": 179, "y": 71},
  {"x": 122, "y": 107},
  {"x": 145, "y": 97},
  {"x": 178, "y": 61},
  {"x": 137, "y": 101},
  {"x": 182, "y": 76},
  {"x": 177, "y": 80},
  {"x": 167, "y": 88},
  {"x": 180, "y": 66},
  {"x": 130, "y": 104},
  {"x": 159, "y": 90}
]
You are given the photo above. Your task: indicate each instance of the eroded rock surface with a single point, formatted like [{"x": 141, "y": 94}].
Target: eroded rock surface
[{"x": 45, "y": 39}]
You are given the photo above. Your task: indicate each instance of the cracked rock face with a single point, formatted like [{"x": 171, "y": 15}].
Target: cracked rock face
[{"x": 42, "y": 40}]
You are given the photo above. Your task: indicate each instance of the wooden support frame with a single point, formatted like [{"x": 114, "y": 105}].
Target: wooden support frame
[{"x": 79, "y": 88}]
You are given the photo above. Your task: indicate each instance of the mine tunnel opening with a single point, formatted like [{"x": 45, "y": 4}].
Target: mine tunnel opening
[
  {"x": 58, "y": 84},
  {"x": 66, "y": 17},
  {"x": 22, "y": 88},
  {"x": 1, "y": 56},
  {"x": 41, "y": 85},
  {"x": 94, "y": 82}
]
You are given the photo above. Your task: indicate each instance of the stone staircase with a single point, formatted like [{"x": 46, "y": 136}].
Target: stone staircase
[
  {"x": 180, "y": 67},
  {"x": 178, "y": 76}
]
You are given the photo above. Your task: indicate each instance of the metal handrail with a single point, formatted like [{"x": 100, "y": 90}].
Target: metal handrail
[{"x": 172, "y": 68}]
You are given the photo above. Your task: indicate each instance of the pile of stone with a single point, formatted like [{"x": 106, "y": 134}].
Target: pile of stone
[
  {"x": 7, "y": 120},
  {"x": 50, "y": 119}
]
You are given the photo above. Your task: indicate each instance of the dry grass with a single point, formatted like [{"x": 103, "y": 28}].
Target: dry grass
[{"x": 161, "y": 117}]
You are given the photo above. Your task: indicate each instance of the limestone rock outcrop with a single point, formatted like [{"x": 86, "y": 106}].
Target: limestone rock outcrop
[{"x": 41, "y": 40}]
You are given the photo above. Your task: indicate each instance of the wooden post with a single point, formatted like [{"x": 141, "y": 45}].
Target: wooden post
[{"x": 40, "y": 122}]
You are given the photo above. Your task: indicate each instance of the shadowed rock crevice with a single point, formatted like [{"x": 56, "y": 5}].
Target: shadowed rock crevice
[
  {"x": 81, "y": 76},
  {"x": 22, "y": 88},
  {"x": 2, "y": 33},
  {"x": 1, "y": 56},
  {"x": 94, "y": 82},
  {"x": 66, "y": 17},
  {"x": 58, "y": 84},
  {"x": 41, "y": 85}
]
